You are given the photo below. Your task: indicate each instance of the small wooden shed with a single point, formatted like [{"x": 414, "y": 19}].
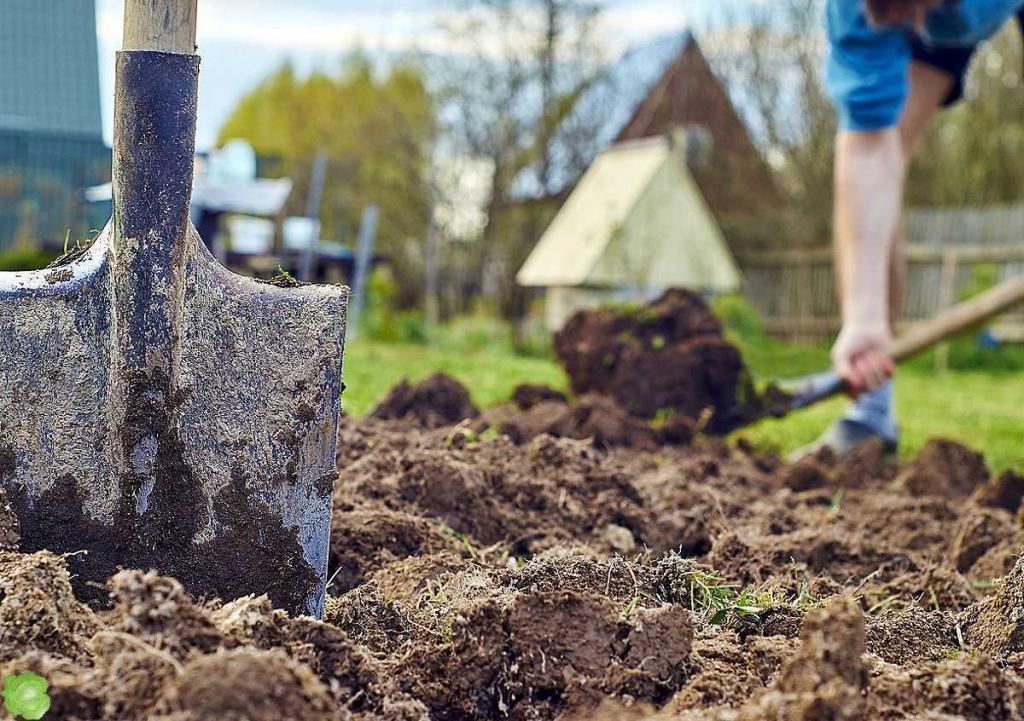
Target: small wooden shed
[{"x": 635, "y": 225}]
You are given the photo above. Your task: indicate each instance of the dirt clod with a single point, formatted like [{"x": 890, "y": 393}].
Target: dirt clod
[
  {"x": 1004, "y": 491},
  {"x": 527, "y": 396},
  {"x": 945, "y": 468},
  {"x": 669, "y": 356},
  {"x": 245, "y": 685},
  {"x": 437, "y": 402},
  {"x": 38, "y": 610}
]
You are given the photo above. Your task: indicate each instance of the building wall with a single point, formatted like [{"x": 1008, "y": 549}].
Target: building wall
[
  {"x": 51, "y": 135},
  {"x": 42, "y": 176},
  {"x": 49, "y": 72}
]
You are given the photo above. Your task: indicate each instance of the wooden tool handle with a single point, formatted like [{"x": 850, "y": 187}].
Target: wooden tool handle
[
  {"x": 957, "y": 319},
  {"x": 165, "y": 25}
]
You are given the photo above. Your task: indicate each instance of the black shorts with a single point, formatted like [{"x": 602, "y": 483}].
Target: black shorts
[{"x": 952, "y": 61}]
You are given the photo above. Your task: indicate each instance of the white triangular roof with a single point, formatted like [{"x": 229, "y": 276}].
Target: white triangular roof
[{"x": 636, "y": 218}]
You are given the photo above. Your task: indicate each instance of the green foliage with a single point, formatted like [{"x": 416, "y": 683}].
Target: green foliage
[
  {"x": 967, "y": 354},
  {"x": 723, "y": 604},
  {"x": 971, "y": 154},
  {"x": 739, "y": 316},
  {"x": 378, "y": 131},
  {"x": 477, "y": 332},
  {"x": 378, "y": 321},
  {"x": 25, "y": 696},
  {"x": 25, "y": 258}
]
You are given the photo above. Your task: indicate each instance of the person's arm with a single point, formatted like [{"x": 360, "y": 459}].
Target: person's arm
[
  {"x": 867, "y": 77},
  {"x": 869, "y": 177}
]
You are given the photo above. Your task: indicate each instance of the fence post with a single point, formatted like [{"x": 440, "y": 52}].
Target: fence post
[{"x": 947, "y": 298}]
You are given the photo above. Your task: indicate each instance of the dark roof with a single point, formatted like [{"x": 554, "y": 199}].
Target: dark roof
[
  {"x": 615, "y": 97},
  {"x": 49, "y": 72},
  {"x": 736, "y": 181}
]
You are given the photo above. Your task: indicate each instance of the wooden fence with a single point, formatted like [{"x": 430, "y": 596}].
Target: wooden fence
[{"x": 795, "y": 290}]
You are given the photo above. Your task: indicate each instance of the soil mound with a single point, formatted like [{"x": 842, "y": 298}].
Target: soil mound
[
  {"x": 669, "y": 356},
  {"x": 38, "y": 610},
  {"x": 592, "y": 416},
  {"x": 566, "y": 578},
  {"x": 977, "y": 534},
  {"x": 826, "y": 677},
  {"x": 527, "y": 396},
  {"x": 156, "y": 609},
  {"x": 945, "y": 468},
  {"x": 995, "y": 625},
  {"x": 1005, "y": 491},
  {"x": 912, "y": 636},
  {"x": 437, "y": 402},
  {"x": 245, "y": 685}
]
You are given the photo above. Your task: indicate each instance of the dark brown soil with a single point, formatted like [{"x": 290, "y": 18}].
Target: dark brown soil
[
  {"x": 565, "y": 578},
  {"x": 592, "y": 416},
  {"x": 436, "y": 402},
  {"x": 527, "y": 396},
  {"x": 945, "y": 468},
  {"x": 666, "y": 358}
]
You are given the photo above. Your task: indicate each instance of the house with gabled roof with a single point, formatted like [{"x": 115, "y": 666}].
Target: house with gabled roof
[
  {"x": 658, "y": 87},
  {"x": 697, "y": 201}
]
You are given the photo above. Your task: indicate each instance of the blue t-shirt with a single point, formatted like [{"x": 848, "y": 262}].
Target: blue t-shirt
[{"x": 867, "y": 69}]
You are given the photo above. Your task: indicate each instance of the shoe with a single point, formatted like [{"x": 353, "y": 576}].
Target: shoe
[{"x": 843, "y": 437}]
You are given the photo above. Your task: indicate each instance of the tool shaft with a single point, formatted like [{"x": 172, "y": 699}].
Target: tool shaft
[
  {"x": 958, "y": 319},
  {"x": 164, "y": 25},
  {"x": 920, "y": 337}
]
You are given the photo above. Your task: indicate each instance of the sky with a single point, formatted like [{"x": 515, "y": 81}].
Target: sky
[{"x": 243, "y": 41}]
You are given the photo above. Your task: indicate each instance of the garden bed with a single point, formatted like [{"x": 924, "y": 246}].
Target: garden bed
[
  {"x": 557, "y": 579},
  {"x": 576, "y": 559}
]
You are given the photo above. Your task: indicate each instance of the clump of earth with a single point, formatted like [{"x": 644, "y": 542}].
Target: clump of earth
[
  {"x": 668, "y": 358},
  {"x": 642, "y": 377}
]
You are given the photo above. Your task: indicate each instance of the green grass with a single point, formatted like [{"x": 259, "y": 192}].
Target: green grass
[
  {"x": 981, "y": 409},
  {"x": 371, "y": 369}
]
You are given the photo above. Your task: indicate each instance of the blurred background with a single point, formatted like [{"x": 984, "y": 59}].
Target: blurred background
[{"x": 480, "y": 169}]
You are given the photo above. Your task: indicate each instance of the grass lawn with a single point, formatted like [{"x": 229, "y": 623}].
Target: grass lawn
[
  {"x": 983, "y": 410},
  {"x": 371, "y": 369}
]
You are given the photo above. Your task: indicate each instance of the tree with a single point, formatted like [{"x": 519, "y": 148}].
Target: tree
[
  {"x": 511, "y": 92},
  {"x": 378, "y": 133},
  {"x": 972, "y": 154},
  {"x": 772, "y": 61}
]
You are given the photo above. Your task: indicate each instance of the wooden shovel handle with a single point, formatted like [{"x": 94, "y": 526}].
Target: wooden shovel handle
[
  {"x": 165, "y": 25},
  {"x": 957, "y": 319}
]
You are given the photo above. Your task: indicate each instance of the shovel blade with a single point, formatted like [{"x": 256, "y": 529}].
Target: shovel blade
[{"x": 220, "y": 474}]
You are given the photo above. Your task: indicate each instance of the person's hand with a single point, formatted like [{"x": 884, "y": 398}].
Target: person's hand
[{"x": 860, "y": 358}]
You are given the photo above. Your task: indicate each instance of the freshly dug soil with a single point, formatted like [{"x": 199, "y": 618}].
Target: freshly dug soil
[
  {"x": 575, "y": 579},
  {"x": 667, "y": 358},
  {"x": 436, "y": 402}
]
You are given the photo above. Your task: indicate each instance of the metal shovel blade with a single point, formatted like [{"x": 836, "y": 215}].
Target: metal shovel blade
[{"x": 157, "y": 411}]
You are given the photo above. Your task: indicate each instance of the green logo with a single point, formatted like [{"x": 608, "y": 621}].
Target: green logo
[{"x": 25, "y": 695}]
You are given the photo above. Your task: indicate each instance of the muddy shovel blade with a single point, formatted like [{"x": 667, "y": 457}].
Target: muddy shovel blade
[{"x": 157, "y": 411}]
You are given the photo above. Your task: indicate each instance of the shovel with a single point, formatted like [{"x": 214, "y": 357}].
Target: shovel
[
  {"x": 811, "y": 390},
  {"x": 156, "y": 410}
]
